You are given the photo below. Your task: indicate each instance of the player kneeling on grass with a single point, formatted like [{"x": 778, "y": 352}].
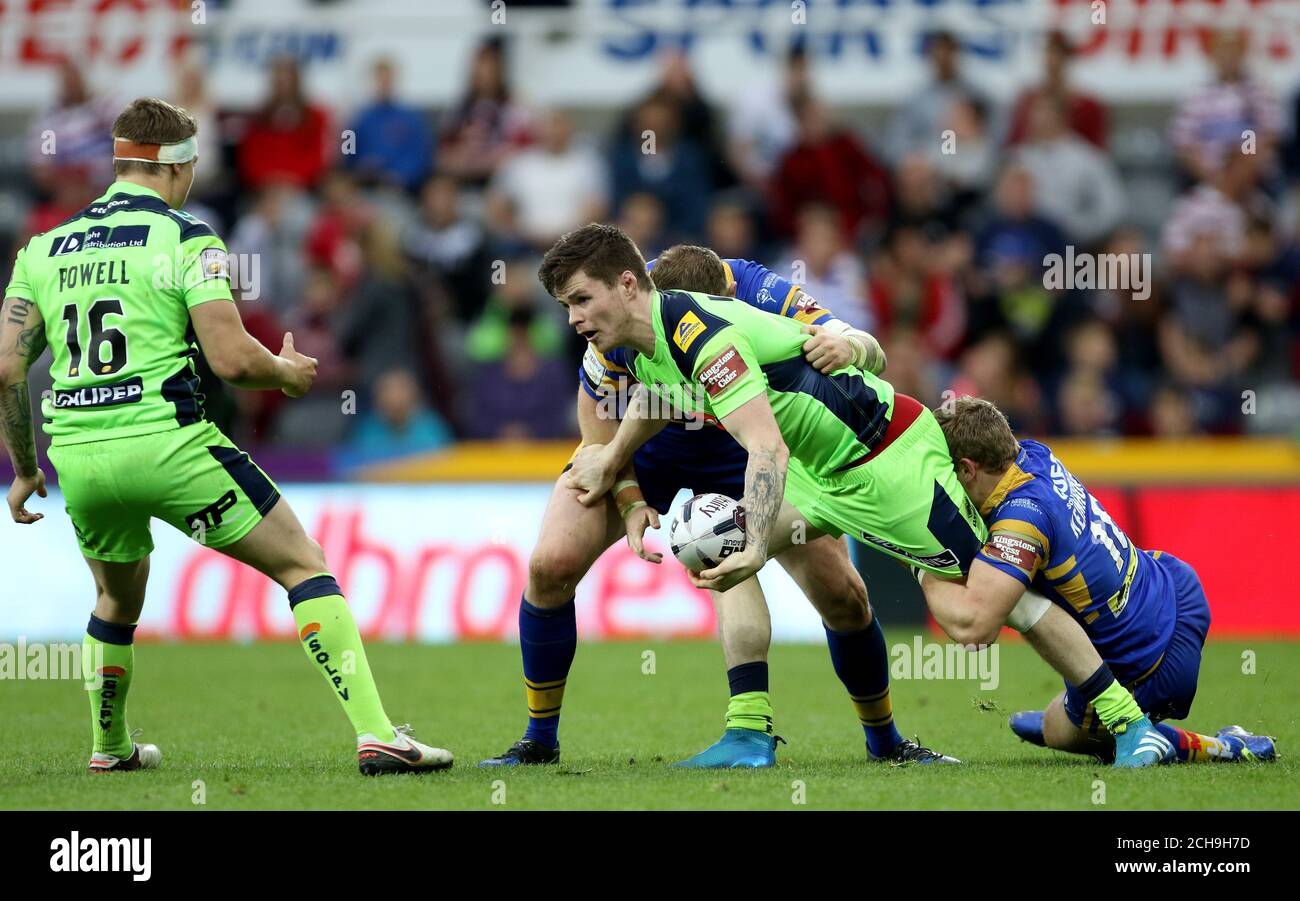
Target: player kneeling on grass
[
  {"x": 1145, "y": 612},
  {"x": 119, "y": 292},
  {"x": 859, "y": 458}
]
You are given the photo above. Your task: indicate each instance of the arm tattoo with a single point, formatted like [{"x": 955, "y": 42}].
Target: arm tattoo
[
  {"x": 15, "y": 400},
  {"x": 764, "y": 489},
  {"x": 16, "y": 427}
]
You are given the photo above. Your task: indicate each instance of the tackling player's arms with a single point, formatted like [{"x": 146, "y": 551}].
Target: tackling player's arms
[
  {"x": 973, "y": 613},
  {"x": 239, "y": 359},
  {"x": 637, "y": 515},
  {"x": 22, "y": 340},
  {"x": 595, "y": 466},
  {"x": 754, "y": 426}
]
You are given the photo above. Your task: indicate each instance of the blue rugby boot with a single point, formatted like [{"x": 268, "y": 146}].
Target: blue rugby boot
[
  {"x": 1249, "y": 746},
  {"x": 1028, "y": 726},
  {"x": 1139, "y": 744},
  {"x": 737, "y": 749}
]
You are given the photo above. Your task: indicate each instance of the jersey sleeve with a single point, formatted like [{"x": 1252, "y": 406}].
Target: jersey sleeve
[
  {"x": 760, "y": 287},
  {"x": 600, "y": 374},
  {"x": 1019, "y": 542},
  {"x": 727, "y": 370},
  {"x": 205, "y": 270},
  {"x": 19, "y": 285}
]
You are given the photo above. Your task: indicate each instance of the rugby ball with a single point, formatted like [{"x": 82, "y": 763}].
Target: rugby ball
[{"x": 707, "y": 529}]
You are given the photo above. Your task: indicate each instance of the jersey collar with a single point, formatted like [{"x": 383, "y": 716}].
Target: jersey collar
[
  {"x": 129, "y": 187},
  {"x": 1012, "y": 479}
]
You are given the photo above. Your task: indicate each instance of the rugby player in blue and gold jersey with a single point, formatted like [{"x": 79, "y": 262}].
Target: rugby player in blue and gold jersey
[{"x": 1145, "y": 611}]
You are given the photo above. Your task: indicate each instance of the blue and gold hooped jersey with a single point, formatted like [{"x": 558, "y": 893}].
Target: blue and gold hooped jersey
[
  {"x": 1048, "y": 532},
  {"x": 754, "y": 284}
]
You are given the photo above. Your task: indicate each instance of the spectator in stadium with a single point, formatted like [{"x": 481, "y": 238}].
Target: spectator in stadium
[
  {"x": 1015, "y": 220},
  {"x": 449, "y": 252},
  {"x": 396, "y": 422},
  {"x": 762, "y": 125},
  {"x": 394, "y": 144},
  {"x": 270, "y": 238},
  {"x": 1211, "y": 124},
  {"x": 991, "y": 368},
  {"x": 911, "y": 290},
  {"x": 553, "y": 186},
  {"x": 969, "y": 164},
  {"x": 486, "y": 125},
  {"x": 192, "y": 96},
  {"x": 1076, "y": 185},
  {"x": 918, "y": 121},
  {"x": 1084, "y": 114},
  {"x": 923, "y": 198},
  {"x": 730, "y": 229},
  {"x": 1173, "y": 414},
  {"x": 912, "y": 369},
  {"x": 288, "y": 140},
  {"x": 1085, "y": 408},
  {"x": 379, "y": 325},
  {"x": 830, "y": 165},
  {"x": 522, "y": 394},
  {"x": 643, "y": 218},
  {"x": 821, "y": 262},
  {"x": 71, "y": 145},
  {"x": 340, "y": 216},
  {"x": 696, "y": 117},
  {"x": 489, "y": 339},
  {"x": 653, "y": 157}
]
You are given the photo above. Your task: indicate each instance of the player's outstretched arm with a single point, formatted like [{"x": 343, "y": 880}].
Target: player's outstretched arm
[
  {"x": 754, "y": 426},
  {"x": 22, "y": 340},
  {"x": 240, "y": 359}
]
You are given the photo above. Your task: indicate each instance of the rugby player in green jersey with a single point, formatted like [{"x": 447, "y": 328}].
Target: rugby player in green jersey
[
  {"x": 120, "y": 293},
  {"x": 828, "y": 453}
]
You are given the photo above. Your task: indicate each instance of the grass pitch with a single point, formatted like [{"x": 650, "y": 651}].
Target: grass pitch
[{"x": 256, "y": 725}]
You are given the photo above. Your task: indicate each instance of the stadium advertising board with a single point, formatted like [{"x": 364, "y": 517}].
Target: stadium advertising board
[
  {"x": 865, "y": 51},
  {"x": 439, "y": 563}
]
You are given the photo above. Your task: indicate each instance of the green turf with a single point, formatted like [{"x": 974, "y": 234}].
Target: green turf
[{"x": 257, "y": 726}]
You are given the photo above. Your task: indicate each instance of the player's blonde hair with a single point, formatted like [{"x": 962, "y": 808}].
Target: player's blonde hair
[
  {"x": 148, "y": 120},
  {"x": 688, "y": 267},
  {"x": 977, "y": 430}
]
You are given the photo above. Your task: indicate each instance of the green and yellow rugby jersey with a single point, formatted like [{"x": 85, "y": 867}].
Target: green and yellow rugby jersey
[
  {"x": 713, "y": 354},
  {"x": 115, "y": 284}
]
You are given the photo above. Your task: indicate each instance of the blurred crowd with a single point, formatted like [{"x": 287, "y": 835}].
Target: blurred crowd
[{"x": 400, "y": 244}]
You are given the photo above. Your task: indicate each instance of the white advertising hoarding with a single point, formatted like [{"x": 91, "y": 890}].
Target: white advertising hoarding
[
  {"x": 433, "y": 563},
  {"x": 607, "y": 52}
]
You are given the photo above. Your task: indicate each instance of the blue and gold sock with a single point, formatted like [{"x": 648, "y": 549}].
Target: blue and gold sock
[
  {"x": 862, "y": 663},
  {"x": 1193, "y": 747},
  {"x": 548, "y": 639},
  {"x": 750, "y": 706}
]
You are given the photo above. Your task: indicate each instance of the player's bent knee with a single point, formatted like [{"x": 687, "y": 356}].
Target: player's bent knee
[{"x": 553, "y": 576}]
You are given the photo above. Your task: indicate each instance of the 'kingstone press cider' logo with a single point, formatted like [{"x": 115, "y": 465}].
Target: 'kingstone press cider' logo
[{"x": 308, "y": 636}]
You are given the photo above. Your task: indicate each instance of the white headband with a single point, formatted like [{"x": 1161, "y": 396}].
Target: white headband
[{"x": 137, "y": 152}]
